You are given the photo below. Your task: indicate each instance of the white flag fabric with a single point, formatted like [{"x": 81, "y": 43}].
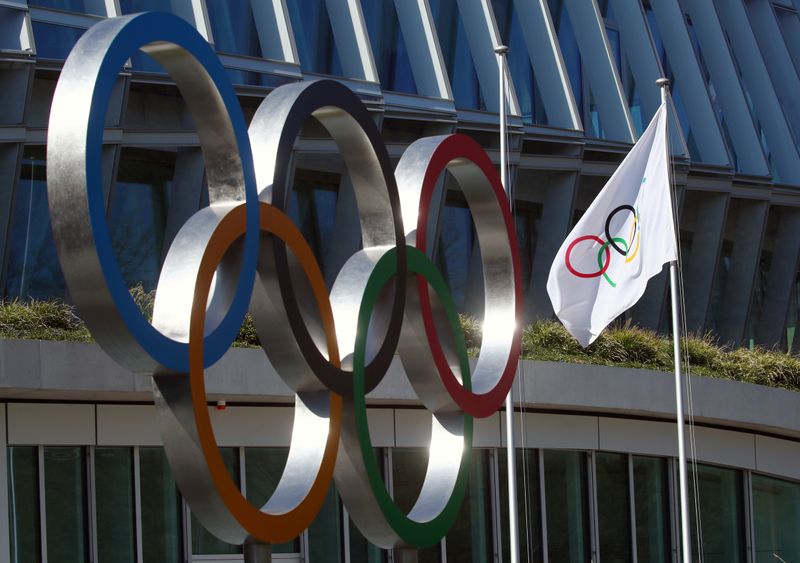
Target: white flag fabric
[{"x": 622, "y": 240}]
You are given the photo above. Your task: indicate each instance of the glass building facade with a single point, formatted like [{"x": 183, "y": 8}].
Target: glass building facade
[{"x": 581, "y": 91}]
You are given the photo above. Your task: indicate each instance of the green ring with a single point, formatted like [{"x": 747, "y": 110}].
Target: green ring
[
  {"x": 418, "y": 534},
  {"x": 618, "y": 240}
]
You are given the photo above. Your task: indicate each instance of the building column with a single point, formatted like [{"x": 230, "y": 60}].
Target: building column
[
  {"x": 699, "y": 269},
  {"x": 738, "y": 293},
  {"x": 782, "y": 275},
  {"x": 557, "y": 196}
]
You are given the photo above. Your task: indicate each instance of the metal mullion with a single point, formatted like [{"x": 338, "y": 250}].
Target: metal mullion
[
  {"x": 346, "y": 532},
  {"x": 542, "y": 504},
  {"x": 494, "y": 483},
  {"x": 388, "y": 462},
  {"x": 242, "y": 479},
  {"x": 92, "y": 494},
  {"x": 750, "y": 546},
  {"x": 594, "y": 535},
  {"x": 187, "y": 530},
  {"x": 137, "y": 504},
  {"x": 673, "y": 517},
  {"x": 632, "y": 505},
  {"x": 42, "y": 504}
]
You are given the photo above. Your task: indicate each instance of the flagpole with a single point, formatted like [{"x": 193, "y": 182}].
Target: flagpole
[
  {"x": 513, "y": 520},
  {"x": 663, "y": 83}
]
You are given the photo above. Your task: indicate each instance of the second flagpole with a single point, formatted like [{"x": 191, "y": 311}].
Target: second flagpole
[
  {"x": 663, "y": 83},
  {"x": 513, "y": 516}
]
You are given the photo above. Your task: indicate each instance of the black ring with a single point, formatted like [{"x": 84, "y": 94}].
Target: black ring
[{"x": 609, "y": 238}]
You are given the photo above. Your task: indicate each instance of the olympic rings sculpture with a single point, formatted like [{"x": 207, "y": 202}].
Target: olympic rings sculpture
[
  {"x": 242, "y": 253},
  {"x": 629, "y": 249}
]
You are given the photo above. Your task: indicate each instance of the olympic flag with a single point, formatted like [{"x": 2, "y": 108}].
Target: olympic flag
[{"x": 623, "y": 239}]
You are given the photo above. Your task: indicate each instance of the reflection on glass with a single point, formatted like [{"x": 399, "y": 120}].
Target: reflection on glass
[
  {"x": 650, "y": 493},
  {"x": 454, "y": 251},
  {"x": 408, "y": 473},
  {"x": 325, "y": 532},
  {"x": 203, "y": 541},
  {"x": 776, "y": 519},
  {"x": 161, "y": 509},
  {"x": 82, "y": 6},
  {"x": 721, "y": 514},
  {"x": 457, "y": 57},
  {"x": 613, "y": 508},
  {"x": 113, "y": 482},
  {"x": 65, "y": 503},
  {"x": 54, "y": 41},
  {"x": 263, "y": 468},
  {"x": 361, "y": 550},
  {"x": 313, "y": 36},
  {"x": 519, "y": 62},
  {"x": 569, "y": 50},
  {"x": 526, "y": 217},
  {"x": 233, "y": 27},
  {"x": 313, "y": 209},
  {"x": 138, "y": 213},
  {"x": 528, "y": 503},
  {"x": 470, "y": 538},
  {"x": 33, "y": 269},
  {"x": 769, "y": 244},
  {"x": 23, "y": 504},
  {"x": 388, "y": 46},
  {"x": 566, "y": 506}
]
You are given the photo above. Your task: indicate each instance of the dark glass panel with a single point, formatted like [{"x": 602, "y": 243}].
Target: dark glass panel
[
  {"x": 528, "y": 504},
  {"x": 54, "y": 41},
  {"x": 457, "y": 57},
  {"x": 651, "y": 497},
  {"x": 361, "y": 550},
  {"x": 776, "y": 519},
  {"x": 65, "y": 504},
  {"x": 470, "y": 538},
  {"x": 325, "y": 532},
  {"x": 313, "y": 209},
  {"x": 388, "y": 46},
  {"x": 721, "y": 514},
  {"x": 566, "y": 506},
  {"x": 137, "y": 213},
  {"x": 162, "y": 539},
  {"x": 263, "y": 468},
  {"x": 33, "y": 269},
  {"x": 314, "y": 37},
  {"x": 233, "y": 27},
  {"x": 113, "y": 481},
  {"x": 23, "y": 504},
  {"x": 454, "y": 248},
  {"x": 569, "y": 49},
  {"x": 613, "y": 508},
  {"x": 203, "y": 541},
  {"x": 69, "y": 6}
]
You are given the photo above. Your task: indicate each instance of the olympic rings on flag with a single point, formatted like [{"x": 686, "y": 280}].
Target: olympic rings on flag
[
  {"x": 627, "y": 248},
  {"x": 242, "y": 253}
]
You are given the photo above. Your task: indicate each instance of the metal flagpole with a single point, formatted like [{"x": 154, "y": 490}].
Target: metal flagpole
[
  {"x": 663, "y": 83},
  {"x": 513, "y": 519}
]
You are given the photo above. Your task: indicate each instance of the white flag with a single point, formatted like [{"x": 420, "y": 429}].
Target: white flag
[{"x": 622, "y": 240}]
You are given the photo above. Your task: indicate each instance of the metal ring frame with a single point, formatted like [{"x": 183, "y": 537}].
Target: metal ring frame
[{"x": 245, "y": 230}]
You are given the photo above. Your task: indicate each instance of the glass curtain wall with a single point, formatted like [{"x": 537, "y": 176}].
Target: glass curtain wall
[
  {"x": 203, "y": 541},
  {"x": 115, "y": 505},
  {"x": 776, "y": 519},
  {"x": 567, "y": 506},
  {"x": 613, "y": 508},
  {"x": 388, "y": 46},
  {"x": 721, "y": 514},
  {"x": 528, "y": 503},
  {"x": 652, "y": 508},
  {"x": 313, "y": 37},
  {"x": 24, "y": 519},
  {"x": 162, "y": 514},
  {"x": 470, "y": 539},
  {"x": 66, "y": 520},
  {"x": 233, "y": 27},
  {"x": 457, "y": 57},
  {"x": 519, "y": 62}
]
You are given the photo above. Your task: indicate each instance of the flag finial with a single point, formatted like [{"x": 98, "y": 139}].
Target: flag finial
[
  {"x": 501, "y": 49},
  {"x": 663, "y": 83}
]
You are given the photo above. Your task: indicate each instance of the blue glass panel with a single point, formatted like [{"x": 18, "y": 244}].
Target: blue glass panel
[
  {"x": 457, "y": 57},
  {"x": 313, "y": 210},
  {"x": 519, "y": 62},
  {"x": 138, "y": 211},
  {"x": 68, "y": 6},
  {"x": 314, "y": 37},
  {"x": 54, "y": 41},
  {"x": 33, "y": 267},
  {"x": 454, "y": 252},
  {"x": 233, "y": 27},
  {"x": 569, "y": 48},
  {"x": 388, "y": 46}
]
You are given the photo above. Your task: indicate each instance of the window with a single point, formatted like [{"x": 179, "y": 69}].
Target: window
[
  {"x": 528, "y": 503},
  {"x": 388, "y": 46},
  {"x": 613, "y": 507},
  {"x": 233, "y": 27},
  {"x": 114, "y": 500},
  {"x": 67, "y": 535},
  {"x": 776, "y": 519},
  {"x": 651, "y": 502},
  {"x": 313, "y": 37},
  {"x": 721, "y": 514},
  {"x": 162, "y": 538},
  {"x": 566, "y": 506},
  {"x": 23, "y": 504}
]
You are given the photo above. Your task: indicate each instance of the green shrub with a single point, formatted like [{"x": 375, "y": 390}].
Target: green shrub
[{"x": 637, "y": 346}]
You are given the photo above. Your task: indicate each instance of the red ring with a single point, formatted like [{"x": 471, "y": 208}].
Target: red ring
[
  {"x": 459, "y": 147},
  {"x": 575, "y": 272}
]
